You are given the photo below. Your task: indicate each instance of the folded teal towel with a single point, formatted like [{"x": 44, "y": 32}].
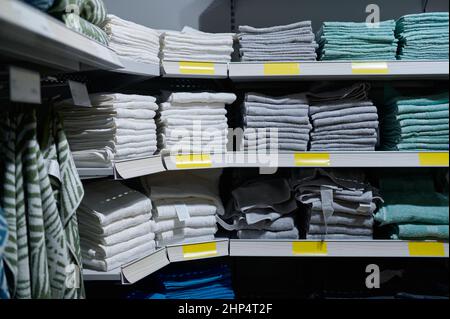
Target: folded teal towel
[
  {"x": 411, "y": 122},
  {"x": 422, "y": 147},
  {"x": 411, "y": 231},
  {"x": 432, "y": 115}
]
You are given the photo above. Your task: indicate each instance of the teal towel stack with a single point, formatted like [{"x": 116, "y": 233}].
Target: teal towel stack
[
  {"x": 413, "y": 209},
  {"x": 423, "y": 36},
  {"x": 357, "y": 41},
  {"x": 415, "y": 124}
]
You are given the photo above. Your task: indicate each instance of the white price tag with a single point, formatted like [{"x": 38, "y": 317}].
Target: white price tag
[
  {"x": 25, "y": 86},
  {"x": 80, "y": 94},
  {"x": 182, "y": 212}
]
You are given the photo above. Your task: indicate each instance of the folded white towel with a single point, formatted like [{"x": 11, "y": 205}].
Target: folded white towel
[
  {"x": 171, "y": 47},
  {"x": 119, "y": 260},
  {"x": 183, "y": 97},
  {"x": 193, "y": 222},
  {"x": 197, "y": 106},
  {"x": 151, "y": 142},
  {"x": 108, "y": 201},
  {"x": 115, "y": 20},
  {"x": 174, "y": 241},
  {"x": 181, "y": 233},
  {"x": 94, "y": 250},
  {"x": 196, "y": 57},
  {"x": 165, "y": 209},
  {"x": 135, "y": 124},
  {"x": 128, "y": 153},
  {"x": 203, "y": 38},
  {"x": 88, "y": 225},
  {"x": 93, "y": 158},
  {"x": 135, "y": 114},
  {"x": 125, "y": 139},
  {"x": 120, "y": 237},
  {"x": 111, "y": 99},
  {"x": 166, "y": 109},
  {"x": 134, "y": 132}
]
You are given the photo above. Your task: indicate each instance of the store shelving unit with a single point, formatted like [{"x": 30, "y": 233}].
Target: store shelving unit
[{"x": 147, "y": 70}]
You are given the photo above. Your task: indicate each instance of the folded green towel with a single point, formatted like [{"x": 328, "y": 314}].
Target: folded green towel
[
  {"x": 412, "y": 122},
  {"x": 411, "y": 231},
  {"x": 93, "y": 11},
  {"x": 425, "y": 140},
  {"x": 433, "y": 115},
  {"x": 422, "y": 147},
  {"x": 82, "y": 26}
]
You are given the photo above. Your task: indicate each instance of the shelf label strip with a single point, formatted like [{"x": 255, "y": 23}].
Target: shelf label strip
[
  {"x": 197, "y": 68},
  {"x": 312, "y": 159},
  {"x": 193, "y": 161},
  {"x": 308, "y": 248},
  {"x": 433, "y": 159},
  {"x": 202, "y": 250},
  {"x": 282, "y": 69},
  {"x": 367, "y": 68},
  {"x": 426, "y": 249}
]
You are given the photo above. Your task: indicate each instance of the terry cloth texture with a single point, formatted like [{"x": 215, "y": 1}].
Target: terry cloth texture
[
  {"x": 340, "y": 203},
  {"x": 293, "y": 42},
  {"x": 423, "y": 36},
  {"x": 415, "y": 123},
  {"x": 116, "y": 127},
  {"x": 344, "y": 119},
  {"x": 357, "y": 41}
]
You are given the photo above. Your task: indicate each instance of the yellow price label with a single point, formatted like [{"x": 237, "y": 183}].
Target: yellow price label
[
  {"x": 202, "y": 250},
  {"x": 426, "y": 249},
  {"x": 207, "y": 68},
  {"x": 193, "y": 161},
  {"x": 310, "y": 248},
  {"x": 433, "y": 159},
  {"x": 368, "y": 68},
  {"x": 282, "y": 69},
  {"x": 312, "y": 159}
]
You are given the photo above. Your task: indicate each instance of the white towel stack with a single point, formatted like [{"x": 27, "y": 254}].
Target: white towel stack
[
  {"x": 184, "y": 205},
  {"x": 115, "y": 225},
  {"x": 117, "y": 126},
  {"x": 132, "y": 41},
  {"x": 194, "y": 123},
  {"x": 193, "y": 45}
]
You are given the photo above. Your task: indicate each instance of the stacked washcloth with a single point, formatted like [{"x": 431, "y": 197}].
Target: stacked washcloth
[
  {"x": 201, "y": 282},
  {"x": 184, "y": 205},
  {"x": 193, "y": 45},
  {"x": 413, "y": 209},
  {"x": 423, "y": 36},
  {"x": 415, "y": 124},
  {"x": 276, "y": 123},
  {"x": 115, "y": 225},
  {"x": 340, "y": 203},
  {"x": 117, "y": 126},
  {"x": 343, "y": 120},
  {"x": 132, "y": 41},
  {"x": 357, "y": 41},
  {"x": 293, "y": 42},
  {"x": 194, "y": 123},
  {"x": 262, "y": 209},
  {"x": 83, "y": 16}
]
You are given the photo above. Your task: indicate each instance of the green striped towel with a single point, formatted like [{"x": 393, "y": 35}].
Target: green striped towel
[{"x": 82, "y": 26}]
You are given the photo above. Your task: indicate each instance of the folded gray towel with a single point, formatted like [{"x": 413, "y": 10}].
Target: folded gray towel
[
  {"x": 345, "y": 230},
  {"x": 282, "y": 39},
  {"x": 284, "y": 223},
  {"x": 343, "y": 219},
  {"x": 342, "y": 149},
  {"x": 280, "y": 58},
  {"x": 353, "y": 132},
  {"x": 356, "y": 92},
  {"x": 249, "y": 29},
  {"x": 347, "y": 208},
  {"x": 262, "y": 111},
  {"x": 259, "y": 124},
  {"x": 338, "y": 237},
  {"x": 296, "y": 99},
  {"x": 283, "y": 147},
  {"x": 304, "y": 120},
  {"x": 337, "y": 106},
  {"x": 281, "y": 136},
  {"x": 347, "y": 126},
  {"x": 352, "y": 141},
  {"x": 344, "y": 112},
  {"x": 357, "y": 118},
  {"x": 346, "y": 138},
  {"x": 302, "y": 129},
  {"x": 287, "y": 46},
  {"x": 277, "y": 106},
  {"x": 264, "y": 234},
  {"x": 279, "y": 50}
]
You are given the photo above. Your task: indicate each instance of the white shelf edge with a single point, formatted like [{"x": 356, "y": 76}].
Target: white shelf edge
[
  {"x": 90, "y": 173},
  {"x": 139, "y": 269},
  {"x": 92, "y": 275},
  {"x": 139, "y": 167},
  {"x": 172, "y": 69},
  {"x": 149, "y": 70},
  {"x": 188, "y": 251}
]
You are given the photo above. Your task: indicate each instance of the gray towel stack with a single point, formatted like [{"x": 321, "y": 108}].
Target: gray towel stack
[
  {"x": 276, "y": 123},
  {"x": 262, "y": 210},
  {"x": 340, "y": 203},
  {"x": 343, "y": 120},
  {"x": 293, "y": 42}
]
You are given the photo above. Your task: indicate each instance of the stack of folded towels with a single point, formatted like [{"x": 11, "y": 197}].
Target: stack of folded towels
[
  {"x": 184, "y": 205},
  {"x": 117, "y": 126},
  {"x": 415, "y": 124},
  {"x": 194, "y": 45},
  {"x": 340, "y": 203},
  {"x": 262, "y": 209},
  {"x": 412, "y": 208},
  {"x": 194, "y": 123},
  {"x": 357, "y": 41},
  {"x": 115, "y": 225},
  {"x": 293, "y": 42},
  {"x": 343, "y": 120},
  {"x": 276, "y": 123},
  {"x": 132, "y": 41},
  {"x": 199, "y": 282},
  {"x": 88, "y": 20},
  {"x": 423, "y": 36}
]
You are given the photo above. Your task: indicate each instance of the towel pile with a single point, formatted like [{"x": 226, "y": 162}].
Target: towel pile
[
  {"x": 199, "y": 282},
  {"x": 194, "y": 123},
  {"x": 340, "y": 203},
  {"x": 194, "y": 45},
  {"x": 413, "y": 210},
  {"x": 416, "y": 124},
  {"x": 343, "y": 120},
  {"x": 276, "y": 123},
  {"x": 293, "y": 42},
  {"x": 357, "y": 41},
  {"x": 88, "y": 19},
  {"x": 131, "y": 40},
  {"x": 262, "y": 209},
  {"x": 117, "y": 126},
  {"x": 115, "y": 225},
  {"x": 184, "y": 205},
  {"x": 423, "y": 36}
]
